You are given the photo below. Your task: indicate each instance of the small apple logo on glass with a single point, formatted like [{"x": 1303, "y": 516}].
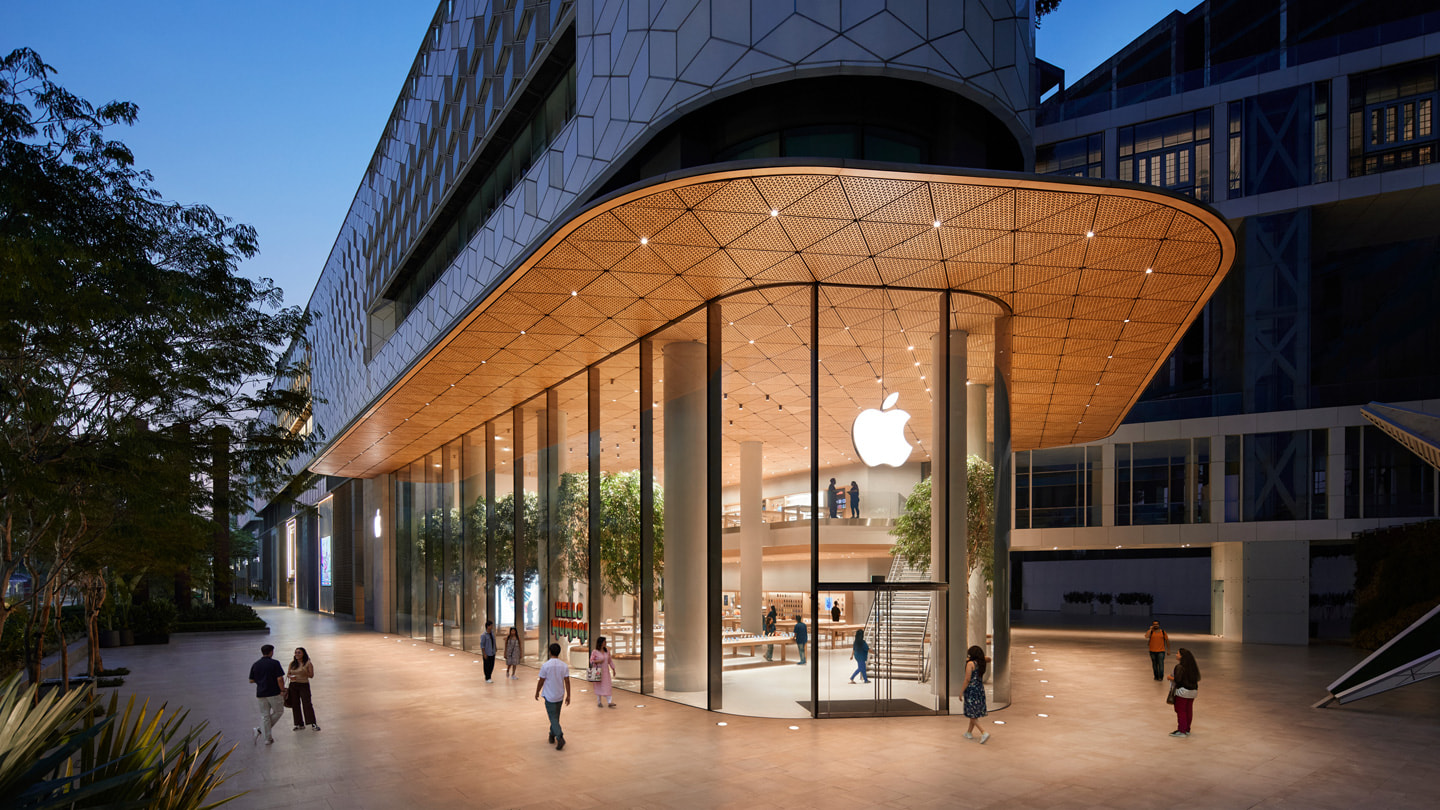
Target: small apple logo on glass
[{"x": 879, "y": 436}]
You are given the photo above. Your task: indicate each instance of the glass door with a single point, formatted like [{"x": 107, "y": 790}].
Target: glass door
[{"x": 881, "y": 660}]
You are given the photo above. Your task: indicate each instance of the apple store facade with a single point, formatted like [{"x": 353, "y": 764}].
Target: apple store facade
[
  {"x": 675, "y": 355},
  {"x": 757, "y": 448}
]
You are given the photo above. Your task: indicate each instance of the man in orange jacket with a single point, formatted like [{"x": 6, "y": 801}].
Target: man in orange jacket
[{"x": 1159, "y": 646}]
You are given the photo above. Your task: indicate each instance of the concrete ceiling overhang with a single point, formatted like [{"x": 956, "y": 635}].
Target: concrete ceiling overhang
[{"x": 1101, "y": 280}]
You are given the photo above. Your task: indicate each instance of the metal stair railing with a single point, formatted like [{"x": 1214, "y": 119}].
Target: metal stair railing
[{"x": 900, "y": 653}]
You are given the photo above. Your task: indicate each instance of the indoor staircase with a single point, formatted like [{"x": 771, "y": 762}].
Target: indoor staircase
[{"x": 900, "y": 653}]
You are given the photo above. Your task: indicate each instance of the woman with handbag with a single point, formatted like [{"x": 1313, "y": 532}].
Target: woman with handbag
[
  {"x": 602, "y": 667},
  {"x": 1186, "y": 683},
  {"x": 297, "y": 695}
]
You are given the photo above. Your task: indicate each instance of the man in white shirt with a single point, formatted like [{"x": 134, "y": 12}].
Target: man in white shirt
[{"x": 554, "y": 684}]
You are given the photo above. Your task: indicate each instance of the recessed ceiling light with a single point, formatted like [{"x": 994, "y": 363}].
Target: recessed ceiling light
[
  {"x": 774, "y": 213},
  {"x": 1089, "y": 234},
  {"x": 644, "y": 240},
  {"x": 936, "y": 223}
]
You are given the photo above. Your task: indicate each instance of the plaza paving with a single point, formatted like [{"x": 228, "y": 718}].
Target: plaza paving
[{"x": 415, "y": 727}]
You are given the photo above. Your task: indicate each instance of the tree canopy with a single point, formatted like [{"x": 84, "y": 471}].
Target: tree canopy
[
  {"x": 128, "y": 335},
  {"x": 912, "y": 528}
]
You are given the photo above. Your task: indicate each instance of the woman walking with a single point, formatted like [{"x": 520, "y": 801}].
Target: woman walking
[
  {"x": 860, "y": 653},
  {"x": 975, "y": 692},
  {"x": 1187, "y": 685},
  {"x": 512, "y": 653},
  {"x": 302, "y": 669},
  {"x": 600, "y": 657}
]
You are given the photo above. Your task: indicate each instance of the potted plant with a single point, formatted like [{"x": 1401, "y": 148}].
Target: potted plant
[
  {"x": 110, "y": 636},
  {"x": 1077, "y": 603},
  {"x": 153, "y": 621},
  {"x": 1133, "y": 603}
]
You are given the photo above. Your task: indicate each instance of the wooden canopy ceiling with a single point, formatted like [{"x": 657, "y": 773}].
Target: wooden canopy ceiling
[{"x": 1101, "y": 281}]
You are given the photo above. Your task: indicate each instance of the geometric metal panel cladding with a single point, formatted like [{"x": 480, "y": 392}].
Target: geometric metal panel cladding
[{"x": 1100, "y": 281}]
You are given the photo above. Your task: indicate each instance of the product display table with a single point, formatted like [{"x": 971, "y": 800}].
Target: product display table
[
  {"x": 837, "y": 632},
  {"x": 756, "y": 645}
]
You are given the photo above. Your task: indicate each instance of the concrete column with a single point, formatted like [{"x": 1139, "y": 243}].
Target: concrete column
[
  {"x": 685, "y": 508},
  {"x": 949, "y": 465},
  {"x": 752, "y": 537},
  {"x": 1266, "y": 586},
  {"x": 1217, "y": 479},
  {"x": 1335, "y": 475}
]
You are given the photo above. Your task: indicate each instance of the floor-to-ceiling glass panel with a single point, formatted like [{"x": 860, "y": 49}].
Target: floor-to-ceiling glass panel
[
  {"x": 620, "y": 616},
  {"x": 765, "y": 466},
  {"x": 503, "y": 522},
  {"x": 571, "y": 559},
  {"x": 433, "y": 552},
  {"x": 473, "y": 509},
  {"x": 877, "y": 413},
  {"x": 530, "y": 524},
  {"x": 453, "y": 619}
]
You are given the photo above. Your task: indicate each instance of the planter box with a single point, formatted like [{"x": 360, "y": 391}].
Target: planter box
[
  {"x": 109, "y": 638},
  {"x": 627, "y": 667},
  {"x": 1076, "y": 608},
  {"x": 1102, "y": 609},
  {"x": 1132, "y": 610}
]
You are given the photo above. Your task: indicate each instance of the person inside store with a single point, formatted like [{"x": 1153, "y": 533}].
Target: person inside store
[
  {"x": 854, "y": 500},
  {"x": 768, "y": 628},
  {"x": 835, "y": 611},
  {"x": 830, "y": 495},
  {"x": 802, "y": 636}
]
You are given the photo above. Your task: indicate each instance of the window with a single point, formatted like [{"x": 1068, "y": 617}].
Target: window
[
  {"x": 1057, "y": 488},
  {"x": 1172, "y": 153},
  {"x": 1164, "y": 482},
  {"x": 1077, "y": 157},
  {"x": 1391, "y": 118}
]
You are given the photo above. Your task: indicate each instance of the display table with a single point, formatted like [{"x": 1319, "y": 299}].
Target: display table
[
  {"x": 837, "y": 632},
  {"x": 756, "y": 645}
]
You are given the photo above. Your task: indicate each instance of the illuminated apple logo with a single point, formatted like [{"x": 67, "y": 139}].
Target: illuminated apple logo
[{"x": 879, "y": 436}]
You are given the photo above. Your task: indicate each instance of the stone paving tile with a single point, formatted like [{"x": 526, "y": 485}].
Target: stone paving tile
[{"x": 409, "y": 725}]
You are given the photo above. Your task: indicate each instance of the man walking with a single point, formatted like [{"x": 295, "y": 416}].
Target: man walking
[
  {"x": 487, "y": 648},
  {"x": 1159, "y": 646},
  {"x": 802, "y": 636},
  {"x": 269, "y": 679},
  {"x": 554, "y": 684}
]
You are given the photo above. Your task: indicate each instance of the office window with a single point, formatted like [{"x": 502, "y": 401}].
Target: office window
[
  {"x": 1057, "y": 488},
  {"x": 1391, "y": 117},
  {"x": 1163, "y": 482},
  {"x": 1172, "y": 153},
  {"x": 1077, "y": 157}
]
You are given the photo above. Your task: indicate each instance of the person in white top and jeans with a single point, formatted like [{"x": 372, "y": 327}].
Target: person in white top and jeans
[{"x": 554, "y": 684}]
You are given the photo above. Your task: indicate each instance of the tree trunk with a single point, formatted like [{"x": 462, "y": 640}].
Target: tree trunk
[
  {"x": 64, "y": 651},
  {"x": 220, "y": 478}
]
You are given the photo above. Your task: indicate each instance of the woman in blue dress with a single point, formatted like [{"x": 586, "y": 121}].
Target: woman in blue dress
[
  {"x": 860, "y": 653},
  {"x": 975, "y": 662}
]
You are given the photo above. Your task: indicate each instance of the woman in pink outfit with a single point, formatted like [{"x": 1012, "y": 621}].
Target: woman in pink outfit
[{"x": 600, "y": 657}]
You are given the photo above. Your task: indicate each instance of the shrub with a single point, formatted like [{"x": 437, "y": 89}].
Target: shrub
[
  {"x": 1077, "y": 597},
  {"x": 1105, "y": 598},
  {"x": 153, "y": 618},
  {"x": 210, "y": 613}
]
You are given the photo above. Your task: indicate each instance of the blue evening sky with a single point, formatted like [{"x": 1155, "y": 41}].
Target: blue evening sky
[{"x": 269, "y": 111}]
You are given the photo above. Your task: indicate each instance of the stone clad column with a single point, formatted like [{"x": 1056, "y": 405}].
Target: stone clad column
[
  {"x": 752, "y": 536},
  {"x": 948, "y": 488},
  {"x": 684, "y": 491}
]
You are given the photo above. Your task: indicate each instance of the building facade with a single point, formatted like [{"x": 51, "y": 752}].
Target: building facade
[
  {"x": 648, "y": 318},
  {"x": 1310, "y": 128}
]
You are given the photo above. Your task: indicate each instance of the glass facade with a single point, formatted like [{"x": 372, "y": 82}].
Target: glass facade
[
  {"x": 1392, "y": 117},
  {"x": 591, "y": 509}
]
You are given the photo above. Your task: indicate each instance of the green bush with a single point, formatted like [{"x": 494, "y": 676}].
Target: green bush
[
  {"x": 213, "y": 627},
  {"x": 210, "y": 613},
  {"x": 153, "y": 618}
]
